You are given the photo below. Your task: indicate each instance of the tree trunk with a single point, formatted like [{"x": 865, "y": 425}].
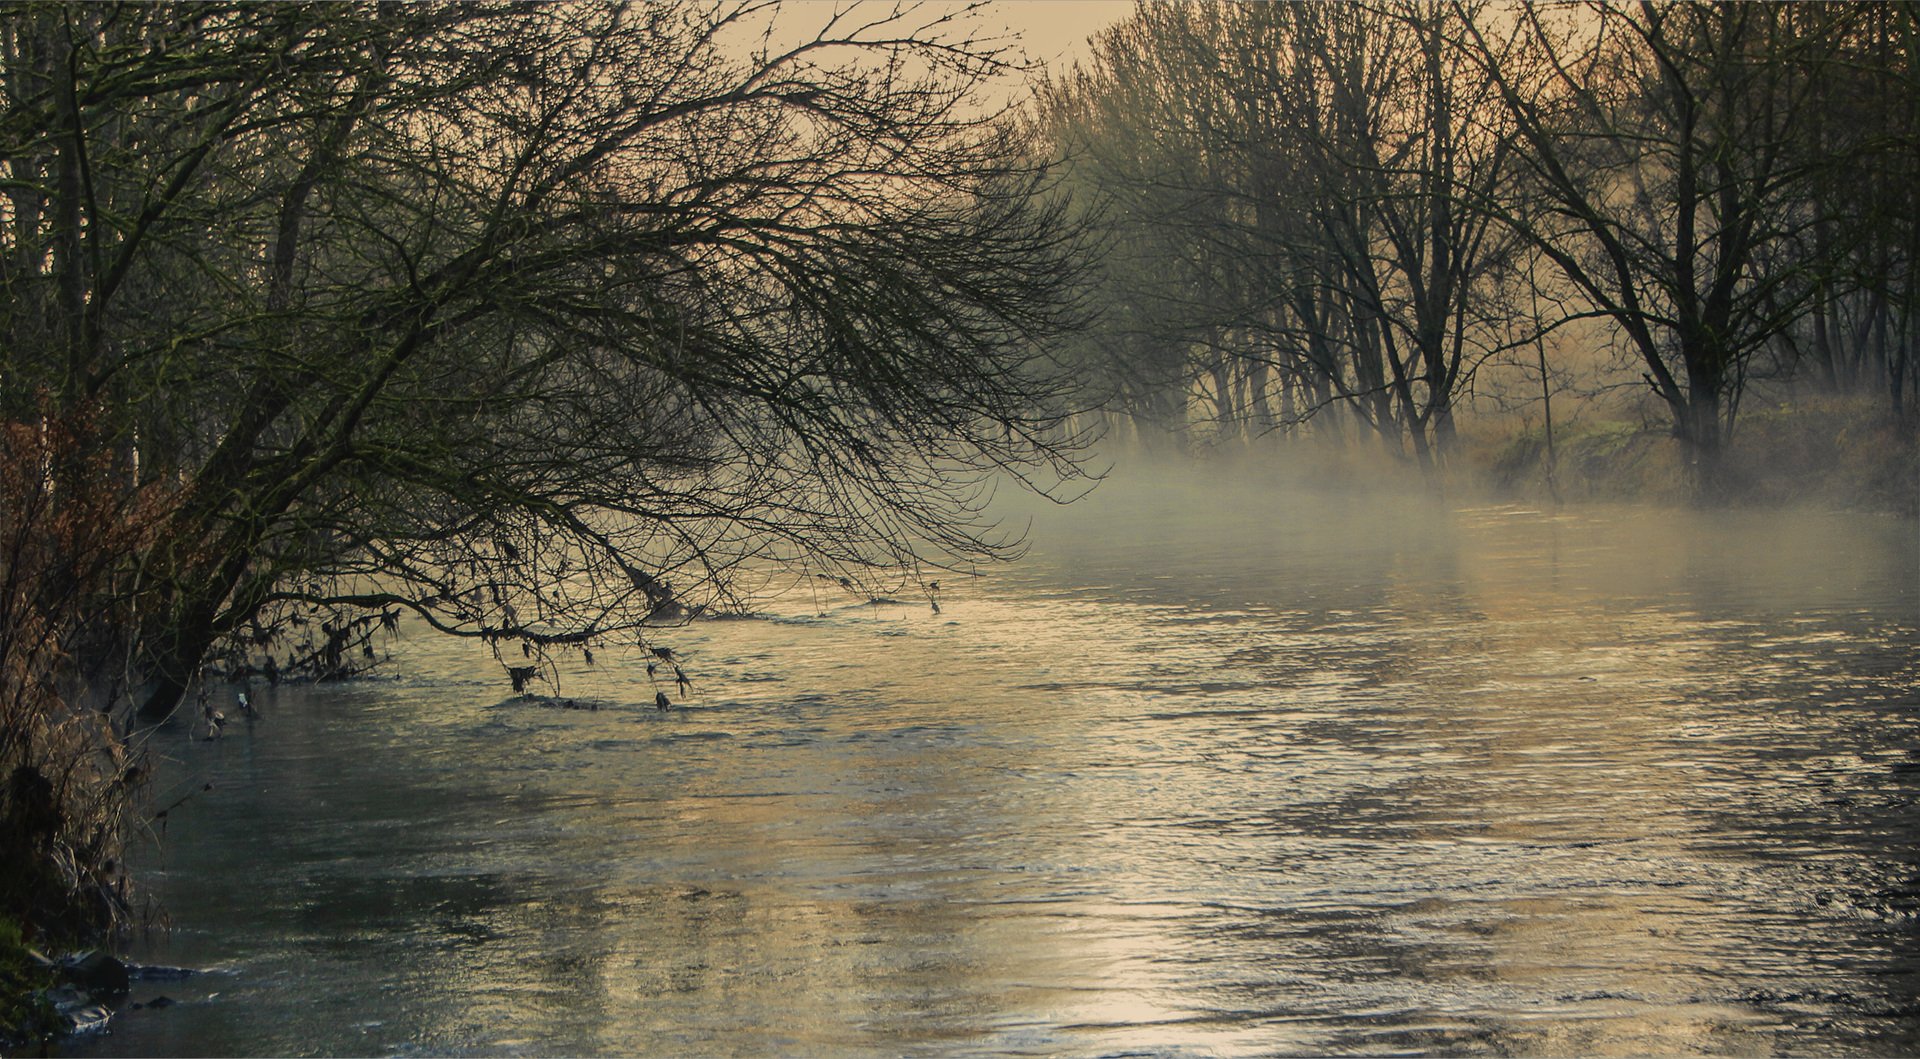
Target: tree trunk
[
  {"x": 1226, "y": 417},
  {"x": 1701, "y": 444},
  {"x": 1257, "y": 398}
]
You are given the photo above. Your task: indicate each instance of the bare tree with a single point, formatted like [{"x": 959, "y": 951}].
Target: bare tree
[
  {"x": 543, "y": 323},
  {"x": 1315, "y": 174},
  {"x": 1667, "y": 143},
  {"x": 1859, "y": 329}
]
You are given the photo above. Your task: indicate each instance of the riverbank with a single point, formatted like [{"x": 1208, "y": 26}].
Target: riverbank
[
  {"x": 25, "y": 1015},
  {"x": 43, "y": 999},
  {"x": 1820, "y": 452},
  {"x": 1833, "y": 453}
]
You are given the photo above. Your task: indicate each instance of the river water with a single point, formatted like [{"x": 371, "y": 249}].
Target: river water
[{"x": 1215, "y": 770}]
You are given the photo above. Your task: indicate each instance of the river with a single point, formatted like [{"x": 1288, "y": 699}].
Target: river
[{"x": 1216, "y": 770}]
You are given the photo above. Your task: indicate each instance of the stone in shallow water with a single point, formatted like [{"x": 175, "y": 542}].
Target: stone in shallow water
[
  {"x": 95, "y": 972},
  {"x": 162, "y": 1001},
  {"x": 90, "y": 1019}
]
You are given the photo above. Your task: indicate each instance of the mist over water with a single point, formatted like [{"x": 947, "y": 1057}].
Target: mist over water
[{"x": 1223, "y": 767}]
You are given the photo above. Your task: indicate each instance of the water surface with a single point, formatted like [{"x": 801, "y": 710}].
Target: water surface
[{"x": 1241, "y": 773}]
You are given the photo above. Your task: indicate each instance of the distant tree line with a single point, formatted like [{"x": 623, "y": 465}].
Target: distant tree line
[
  {"x": 542, "y": 324},
  {"x": 1330, "y": 217}
]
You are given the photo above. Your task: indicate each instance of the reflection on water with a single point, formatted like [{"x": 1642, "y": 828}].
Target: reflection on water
[{"x": 1269, "y": 774}]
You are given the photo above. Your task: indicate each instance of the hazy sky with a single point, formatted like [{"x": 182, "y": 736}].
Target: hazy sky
[
  {"x": 1051, "y": 32},
  {"x": 1054, "y": 30}
]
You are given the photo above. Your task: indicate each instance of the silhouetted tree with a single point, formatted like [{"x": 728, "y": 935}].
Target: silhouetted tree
[
  {"x": 1668, "y": 143},
  {"x": 540, "y": 322},
  {"x": 1311, "y": 176},
  {"x": 1858, "y": 332}
]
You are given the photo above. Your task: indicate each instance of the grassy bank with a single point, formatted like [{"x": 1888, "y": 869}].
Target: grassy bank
[{"x": 1834, "y": 453}]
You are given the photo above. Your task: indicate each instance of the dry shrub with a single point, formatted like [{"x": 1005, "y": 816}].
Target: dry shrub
[{"x": 72, "y": 527}]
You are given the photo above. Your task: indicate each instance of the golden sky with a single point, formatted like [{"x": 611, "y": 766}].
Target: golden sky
[{"x": 1054, "y": 31}]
